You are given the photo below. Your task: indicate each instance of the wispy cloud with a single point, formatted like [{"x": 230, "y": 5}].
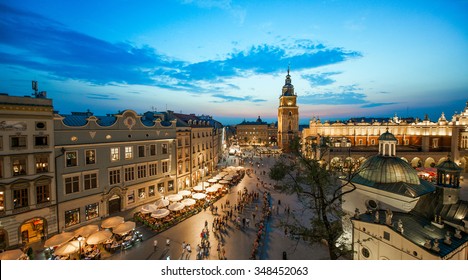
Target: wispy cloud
[
  {"x": 372, "y": 105},
  {"x": 43, "y": 44},
  {"x": 320, "y": 79},
  {"x": 101, "y": 96},
  {"x": 230, "y": 98},
  {"x": 329, "y": 98}
]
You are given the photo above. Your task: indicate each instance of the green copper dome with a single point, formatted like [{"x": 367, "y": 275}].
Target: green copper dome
[
  {"x": 387, "y": 136},
  {"x": 384, "y": 170}
]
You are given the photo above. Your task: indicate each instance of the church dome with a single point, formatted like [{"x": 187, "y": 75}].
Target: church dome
[
  {"x": 385, "y": 170},
  {"x": 387, "y": 136}
]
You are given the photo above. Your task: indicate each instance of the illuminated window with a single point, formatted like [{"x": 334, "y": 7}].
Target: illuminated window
[
  {"x": 71, "y": 158},
  {"x": 42, "y": 163},
  {"x": 115, "y": 156},
  {"x": 90, "y": 156},
  {"x": 72, "y": 217},
  {"x": 19, "y": 166},
  {"x": 91, "y": 211},
  {"x": 129, "y": 152},
  {"x": 151, "y": 191}
]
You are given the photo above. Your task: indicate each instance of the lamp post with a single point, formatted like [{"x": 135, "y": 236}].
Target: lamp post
[{"x": 79, "y": 244}]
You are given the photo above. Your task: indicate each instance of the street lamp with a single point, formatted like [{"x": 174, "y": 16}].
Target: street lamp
[{"x": 79, "y": 244}]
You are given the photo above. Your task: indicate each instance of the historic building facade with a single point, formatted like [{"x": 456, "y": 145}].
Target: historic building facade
[
  {"x": 28, "y": 202},
  {"x": 423, "y": 143},
  {"x": 107, "y": 164},
  {"x": 257, "y": 133},
  {"x": 288, "y": 115}
]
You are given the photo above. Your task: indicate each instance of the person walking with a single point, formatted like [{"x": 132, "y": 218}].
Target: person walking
[
  {"x": 155, "y": 244},
  {"x": 189, "y": 251}
]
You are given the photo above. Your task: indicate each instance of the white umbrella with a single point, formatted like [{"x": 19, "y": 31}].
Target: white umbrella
[
  {"x": 59, "y": 239},
  {"x": 15, "y": 254},
  {"x": 210, "y": 190},
  {"x": 160, "y": 213},
  {"x": 161, "y": 203},
  {"x": 212, "y": 180},
  {"x": 112, "y": 222},
  {"x": 176, "y": 206},
  {"x": 124, "y": 228},
  {"x": 224, "y": 182},
  {"x": 87, "y": 230},
  {"x": 174, "y": 197},
  {"x": 98, "y": 237},
  {"x": 227, "y": 178},
  {"x": 184, "y": 192},
  {"x": 68, "y": 248},
  {"x": 198, "y": 188},
  {"x": 204, "y": 184},
  {"x": 148, "y": 208},
  {"x": 188, "y": 202},
  {"x": 217, "y": 186},
  {"x": 218, "y": 177},
  {"x": 199, "y": 196},
  {"x": 221, "y": 174}
]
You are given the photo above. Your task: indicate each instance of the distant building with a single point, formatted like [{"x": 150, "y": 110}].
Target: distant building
[
  {"x": 288, "y": 115},
  {"x": 28, "y": 201},
  {"x": 257, "y": 133},
  {"x": 422, "y": 143}
]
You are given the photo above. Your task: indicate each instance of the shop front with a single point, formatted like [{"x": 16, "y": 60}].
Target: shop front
[{"x": 33, "y": 230}]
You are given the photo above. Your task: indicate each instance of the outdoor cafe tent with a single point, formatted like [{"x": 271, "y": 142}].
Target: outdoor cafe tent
[
  {"x": 204, "y": 184},
  {"x": 217, "y": 186},
  {"x": 148, "y": 208},
  {"x": 124, "y": 228},
  {"x": 15, "y": 254},
  {"x": 160, "y": 213},
  {"x": 68, "y": 248},
  {"x": 184, "y": 192},
  {"x": 199, "y": 196},
  {"x": 59, "y": 239},
  {"x": 86, "y": 231},
  {"x": 212, "y": 180},
  {"x": 197, "y": 189},
  {"x": 98, "y": 237},
  {"x": 188, "y": 202},
  {"x": 224, "y": 182},
  {"x": 174, "y": 197},
  {"x": 161, "y": 203},
  {"x": 176, "y": 206},
  {"x": 112, "y": 222},
  {"x": 210, "y": 190}
]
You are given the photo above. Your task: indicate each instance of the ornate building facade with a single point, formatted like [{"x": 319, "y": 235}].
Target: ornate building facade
[
  {"x": 288, "y": 115},
  {"x": 28, "y": 201},
  {"x": 423, "y": 143},
  {"x": 257, "y": 133}
]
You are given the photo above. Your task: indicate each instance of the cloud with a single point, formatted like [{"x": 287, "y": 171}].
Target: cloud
[
  {"x": 372, "y": 105},
  {"x": 35, "y": 42},
  {"x": 101, "y": 96},
  {"x": 329, "y": 98},
  {"x": 320, "y": 79},
  {"x": 229, "y": 98}
]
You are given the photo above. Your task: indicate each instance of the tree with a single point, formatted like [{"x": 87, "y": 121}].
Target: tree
[{"x": 320, "y": 190}]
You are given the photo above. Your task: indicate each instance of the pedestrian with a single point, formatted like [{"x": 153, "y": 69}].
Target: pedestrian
[
  {"x": 168, "y": 242},
  {"x": 189, "y": 251},
  {"x": 155, "y": 244},
  {"x": 279, "y": 201}
]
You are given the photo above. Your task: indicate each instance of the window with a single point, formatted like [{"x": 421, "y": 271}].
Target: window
[
  {"x": 71, "y": 158},
  {"x": 179, "y": 168},
  {"x": 164, "y": 167},
  {"x": 72, "y": 184},
  {"x": 91, "y": 211},
  {"x": 406, "y": 141},
  {"x": 72, "y": 217},
  {"x": 360, "y": 142},
  {"x": 170, "y": 186},
  {"x": 2, "y": 201},
  {"x": 187, "y": 163},
  {"x": 20, "y": 198},
  {"x": 41, "y": 126},
  {"x": 141, "y": 151},
  {"x": 129, "y": 173},
  {"x": 372, "y": 141},
  {"x": 42, "y": 163},
  {"x": 115, "y": 154},
  {"x": 18, "y": 142},
  {"x": 152, "y": 149},
  {"x": 161, "y": 188},
  {"x": 151, "y": 191},
  {"x": 179, "y": 142},
  {"x": 153, "y": 169},
  {"x": 19, "y": 166},
  {"x": 435, "y": 143},
  {"x": 164, "y": 149},
  {"x": 42, "y": 193},
  {"x": 365, "y": 252},
  {"x": 131, "y": 197},
  {"x": 114, "y": 176},
  {"x": 90, "y": 156},
  {"x": 386, "y": 235},
  {"x": 90, "y": 181},
  {"x": 141, "y": 171},
  {"x": 186, "y": 141},
  {"x": 41, "y": 141},
  {"x": 128, "y": 152},
  {"x": 141, "y": 193}
]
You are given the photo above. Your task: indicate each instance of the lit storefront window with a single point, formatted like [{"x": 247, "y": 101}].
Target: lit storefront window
[
  {"x": 91, "y": 211},
  {"x": 151, "y": 191},
  {"x": 131, "y": 197},
  {"x": 161, "y": 188},
  {"x": 72, "y": 217},
  {"x": 141, "y": 193}
]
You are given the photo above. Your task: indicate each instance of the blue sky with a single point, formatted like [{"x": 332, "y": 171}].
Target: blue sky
[{"x": 229, "y": 58}]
